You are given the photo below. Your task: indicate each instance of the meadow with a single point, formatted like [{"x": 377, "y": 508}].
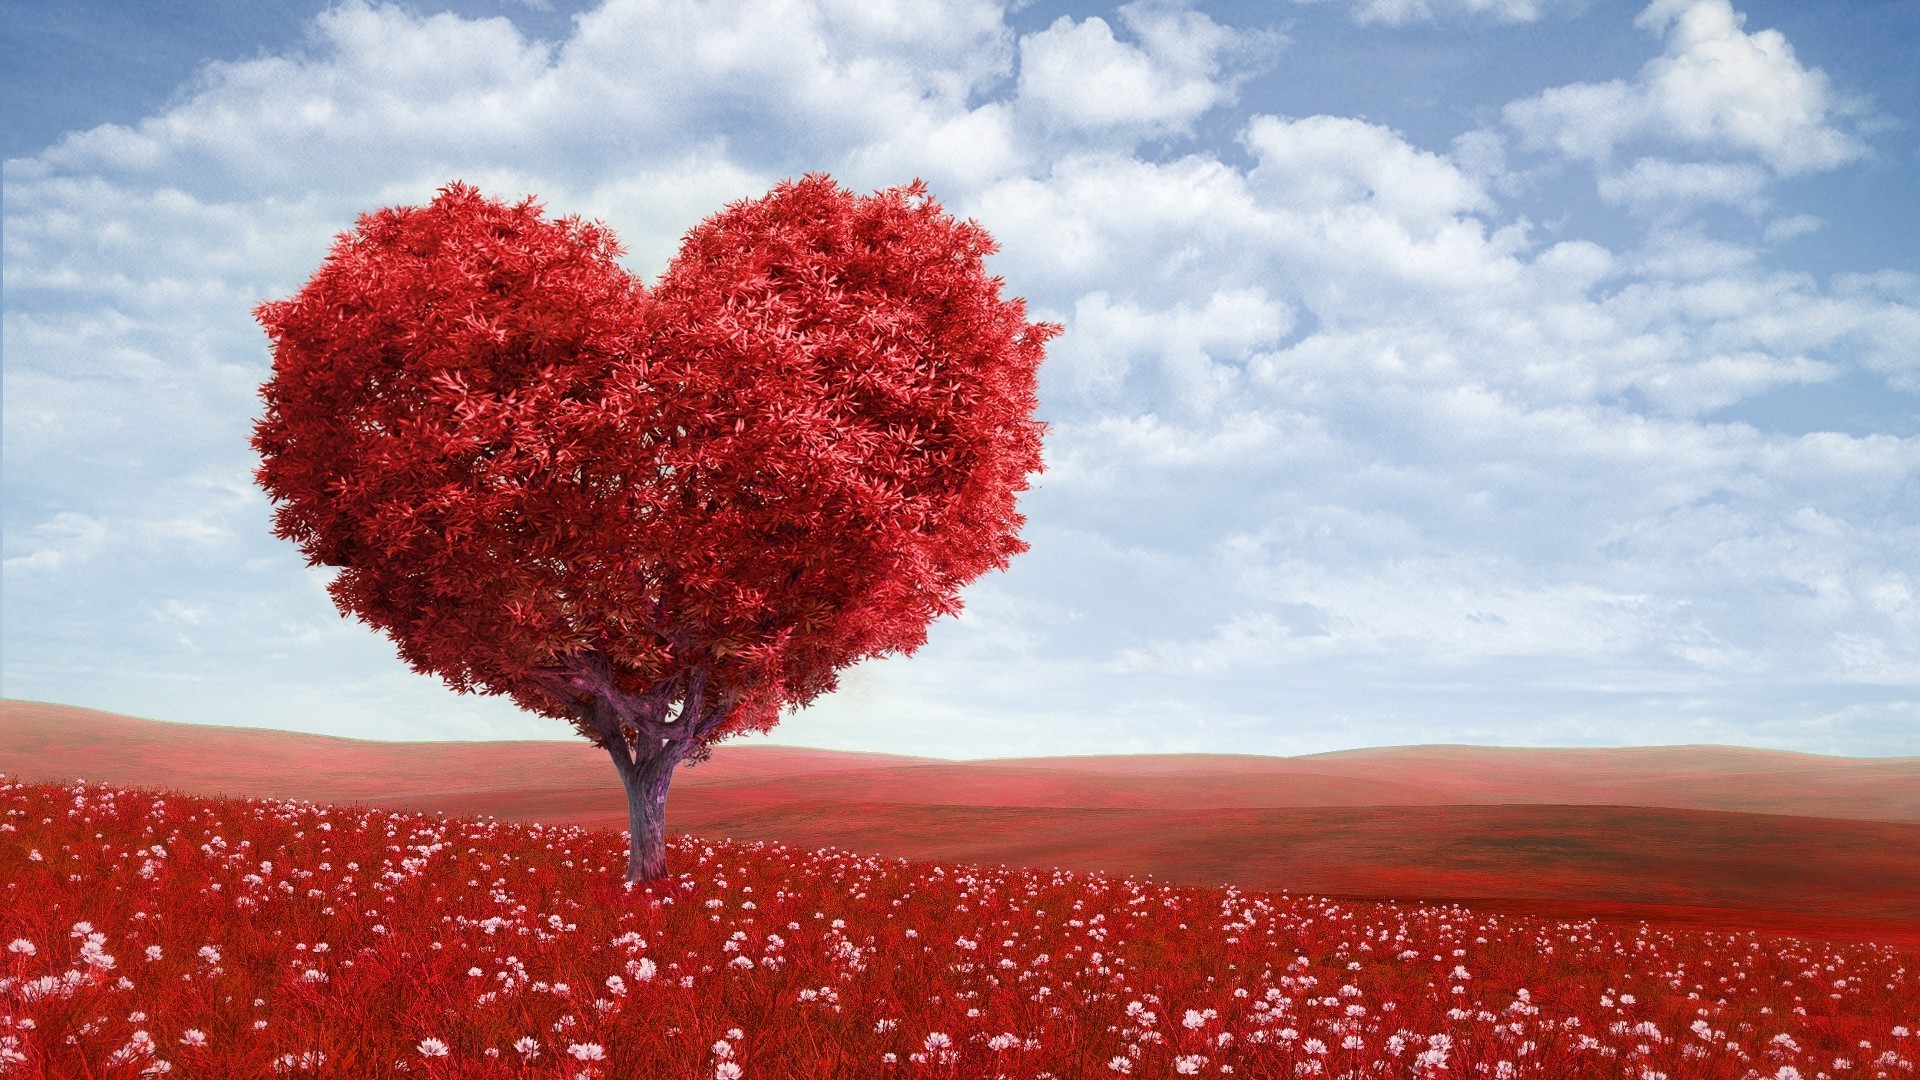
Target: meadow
[{"x": 149, "y": 932}]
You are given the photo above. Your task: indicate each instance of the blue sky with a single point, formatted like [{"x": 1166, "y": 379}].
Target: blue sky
[{"x": 1519, "y": 372}]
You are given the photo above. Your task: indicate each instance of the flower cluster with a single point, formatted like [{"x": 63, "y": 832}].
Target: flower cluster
[{"x": 332, "y": 937}]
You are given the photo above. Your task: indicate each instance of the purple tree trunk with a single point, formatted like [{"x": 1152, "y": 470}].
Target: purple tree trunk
[{"x": 646, "y": 779}]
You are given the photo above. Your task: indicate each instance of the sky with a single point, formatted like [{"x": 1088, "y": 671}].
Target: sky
[{"x": 1506, "y": 372}]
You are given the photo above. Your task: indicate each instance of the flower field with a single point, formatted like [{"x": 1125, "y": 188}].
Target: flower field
[{"x": 153, "y": 933}]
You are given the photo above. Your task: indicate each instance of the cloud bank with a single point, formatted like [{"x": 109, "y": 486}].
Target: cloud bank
[{"x": 1346, "y": 449}]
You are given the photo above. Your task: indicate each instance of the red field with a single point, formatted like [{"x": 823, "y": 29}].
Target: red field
[{"x": 1718, "y": 837}]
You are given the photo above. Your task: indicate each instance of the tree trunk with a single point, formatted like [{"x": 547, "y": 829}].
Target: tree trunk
[{"x": 646, "y": 776}]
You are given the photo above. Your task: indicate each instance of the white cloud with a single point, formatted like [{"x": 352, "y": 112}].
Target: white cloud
[
  {"x": 1333, "y": 426},
  {"x": 1403, "y": 12},
  {"x": 1065, "y": 230},
  {"x": 1116, "y": 451},
  {"x": 1078, "y": 75},
  {"x": 1716, "y": 89},
  {"x": 393, "y": 87},
  {"x": 416, "y": 100},
  {"x": 1434, "y": 611},
  {"x": 1200, "y": 350},
  {"x": 1792, "y": 227},
  {"x": 1481, "y": 156},
  {"x": 1719, "y": 86},
  {"x": 1656, "y": 185},
  {"x": 772, "y": 77},
  {"x": 958, "y": 151},
  {"x": 1571, "y": 267},
  {"x": 1721, "y": 380},
  {"x": 64, "y": 539},
  {"x": 1328, "y": 163}
]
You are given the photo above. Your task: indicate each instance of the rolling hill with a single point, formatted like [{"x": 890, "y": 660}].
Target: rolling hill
[{"x": 1695, "y": 835}]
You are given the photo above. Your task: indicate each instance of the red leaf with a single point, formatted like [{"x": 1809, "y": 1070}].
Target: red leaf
[{"x": 473, "y": 407}]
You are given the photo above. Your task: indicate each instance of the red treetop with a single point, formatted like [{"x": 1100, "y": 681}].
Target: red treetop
[{"x": 542, "y": 480}]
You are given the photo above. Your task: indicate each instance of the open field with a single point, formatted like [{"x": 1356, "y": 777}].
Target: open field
[
  {"x": 1719, "y": 837},
  {"x": 149, "y": 932}
]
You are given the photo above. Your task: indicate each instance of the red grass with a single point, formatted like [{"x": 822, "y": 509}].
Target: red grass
[
  {"x": 1702, "y": 837},
  {"x": 789, "y": 963}
]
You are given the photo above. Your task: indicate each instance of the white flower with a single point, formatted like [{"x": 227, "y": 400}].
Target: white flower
[
  {"x": 194, "y": 1037},
  {"x": 1193, "y": 1019},
  {"x": 432, "y": 1048},
  {"x": 726, "y": 1070},
  {"x": 21, "y": 946},
  {"x": 1120, "y": 1065},
  {"x": 587, "y": 1051},
  {"x": 616, "y": 985},
  {"x": 1005, "y": 1041},
  {"x": 1189, "y": 1064},
  {"x": 937, "y": 1040},
  {"x": 527, "y": 1046},
  {"x": 1435, "y": 1055}
]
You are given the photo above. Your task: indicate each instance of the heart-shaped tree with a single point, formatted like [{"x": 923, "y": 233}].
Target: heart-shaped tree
[{"x": 661, "y": 514}]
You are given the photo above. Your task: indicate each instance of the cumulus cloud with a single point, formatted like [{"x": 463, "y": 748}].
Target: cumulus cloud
[
  {"x": 1715, "y": 89},
  {"x": 1327, "y": 163},
  {"x": 383, "y": 92},
  {"x": 1198, "y": 352},
  {"x": 1656, "y": 185},
  {"x": 1078, "y": 75},
  {"x": 1180, "y": 224}
]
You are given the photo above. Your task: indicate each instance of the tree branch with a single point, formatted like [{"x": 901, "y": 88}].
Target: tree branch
[
  {"x": 711, "y": 722},
  {"x": 694, "y": 701}
]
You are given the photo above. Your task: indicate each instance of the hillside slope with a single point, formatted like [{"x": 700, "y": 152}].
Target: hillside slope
[{"x": 1698, "y": 834}]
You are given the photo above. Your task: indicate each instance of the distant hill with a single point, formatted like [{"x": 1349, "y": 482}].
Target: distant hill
[{"x": 1699, "y": 834}]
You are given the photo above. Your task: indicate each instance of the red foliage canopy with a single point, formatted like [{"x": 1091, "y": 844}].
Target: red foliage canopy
[{"x": 541, "y": 479}]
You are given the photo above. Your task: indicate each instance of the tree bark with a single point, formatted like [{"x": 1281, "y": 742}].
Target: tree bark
[
  {"x": 645, "y": 743},
  {"x": 646, "y": 774}
]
